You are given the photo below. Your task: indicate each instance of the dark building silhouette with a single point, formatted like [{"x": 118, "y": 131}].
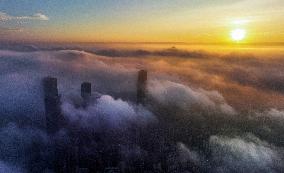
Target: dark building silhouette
[
  {"x": 86, "y": 90},
  {"x": 54, "y": 118},
  {"x": 141, "y": 86}
]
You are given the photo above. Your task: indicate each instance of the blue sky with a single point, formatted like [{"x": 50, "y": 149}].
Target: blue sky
[{"x": 67, "y": 10}]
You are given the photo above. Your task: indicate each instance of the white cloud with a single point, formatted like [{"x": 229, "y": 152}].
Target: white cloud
[
  {"x": 40, "y": 16},
  {"x": 186, "y": 154},
  {"x": 113, "y": 113},
  {"x": 185, "y": 98},
  {"x": 4, "y": 16},
  {"x": 273, "y": 115},
  {"x": 21, "y": 73},
  {"x": 7, "y": 30},
  {"x": 36, "y": 16},
  {"x": 248, "y": 153}
]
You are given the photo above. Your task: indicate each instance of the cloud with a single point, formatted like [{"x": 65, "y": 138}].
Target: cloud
[
  {"x": 4, "y": 16},
  {"x": 268, "y": 78},
  {"x": 276, "y": 114},
  {"x": 248, "y": 153},
  {"x": 39, "y": 16},
  {"x": 171, "y": 52},
  {"x": 36, "y": 16},
  {"x": 113, "y": 112},
  {"x": 106, "y": 110},
  {"x": 187, "y": 155},
  {"x": 273, "y": 115},
  {"x": 5, "y": 32},
  {"x": 180, "y": 96}
]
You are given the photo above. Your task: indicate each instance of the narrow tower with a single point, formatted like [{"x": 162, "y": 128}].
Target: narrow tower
[
  {"x": 54, "y": 118},
  {"x": 86, "y": 90},
  {"x": 141, "y": 86}
]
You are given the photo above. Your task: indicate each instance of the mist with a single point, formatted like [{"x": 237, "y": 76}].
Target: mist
[{"x": 204, "y": 111}]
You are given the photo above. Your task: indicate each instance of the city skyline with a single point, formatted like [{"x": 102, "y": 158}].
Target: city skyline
[{"x": 143, "y": 86}]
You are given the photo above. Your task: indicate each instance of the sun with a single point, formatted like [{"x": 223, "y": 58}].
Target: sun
[{"x": 238, "y": 34}]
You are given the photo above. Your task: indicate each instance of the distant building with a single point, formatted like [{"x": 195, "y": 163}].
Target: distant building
[
  {"x": 86, "y": 93},
  {"x": 86, "y": 90},
  {"x": 54, "y": 118},
  {"x": 141, "y": 86}
]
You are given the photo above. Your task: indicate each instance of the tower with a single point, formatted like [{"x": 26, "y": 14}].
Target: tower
[
  {"x": 86, "y": 90},
  {"x": 54, "y": 118},
  {"x": 141, "y": 86}
]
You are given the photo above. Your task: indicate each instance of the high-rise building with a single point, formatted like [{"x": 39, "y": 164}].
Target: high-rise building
[
  {"x": 86, "y": 90},
  {"x": 54, "y": 118},
  {"x": 141, "y": 86}
]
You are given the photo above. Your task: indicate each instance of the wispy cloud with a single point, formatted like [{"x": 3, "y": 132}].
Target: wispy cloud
[
  {"x": 36, "y": 16},
  {"x": 9, "y": 30}
]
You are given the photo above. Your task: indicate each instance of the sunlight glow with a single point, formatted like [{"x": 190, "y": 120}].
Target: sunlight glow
[
  {"x": 240, "y": 21},
  {"x": 238, "y": 34}
]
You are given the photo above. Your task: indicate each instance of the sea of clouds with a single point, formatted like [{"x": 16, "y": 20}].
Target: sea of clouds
[{"x": 234, "y": 101}]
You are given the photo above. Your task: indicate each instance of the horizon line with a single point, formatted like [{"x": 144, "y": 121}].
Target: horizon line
[{"x": 143, "y": 42}]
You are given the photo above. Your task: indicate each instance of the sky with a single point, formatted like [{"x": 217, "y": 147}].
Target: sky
[{"x": 190, "y": 21}]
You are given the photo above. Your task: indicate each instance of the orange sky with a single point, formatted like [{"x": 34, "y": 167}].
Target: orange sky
[{"x": 136, "y": 21}]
